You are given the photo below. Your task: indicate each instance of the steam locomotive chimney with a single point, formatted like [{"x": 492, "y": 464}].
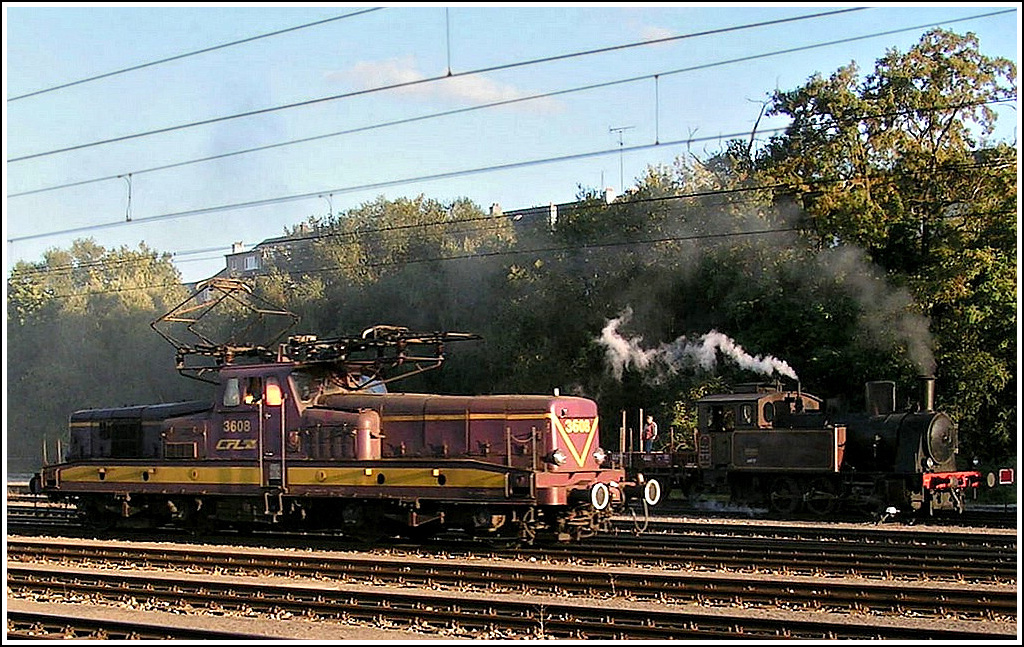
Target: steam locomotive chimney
[{"x": 928, "y": 392}]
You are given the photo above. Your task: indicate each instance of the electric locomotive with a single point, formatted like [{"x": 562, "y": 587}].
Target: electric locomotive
[{"x": 310, "y": 436}]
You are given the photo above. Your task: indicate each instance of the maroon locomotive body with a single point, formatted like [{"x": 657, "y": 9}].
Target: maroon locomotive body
[{"x": 313, "y": 439}]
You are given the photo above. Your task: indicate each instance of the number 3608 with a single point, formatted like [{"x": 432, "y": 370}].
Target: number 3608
[{"x": 237, "y": 426}]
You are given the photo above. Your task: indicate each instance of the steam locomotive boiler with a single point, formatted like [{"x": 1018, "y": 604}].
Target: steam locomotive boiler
[
  {"x": 904, "y": 459},
  {"x": 311, "y": 437},
  {"x": 786, "y": 451}
]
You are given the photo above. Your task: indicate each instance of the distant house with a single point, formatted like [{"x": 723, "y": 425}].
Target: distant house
[
  {"x": 242, "y": 263},
  {"x": 284, "y": 252},
  {"x": 544, "y": 216}
]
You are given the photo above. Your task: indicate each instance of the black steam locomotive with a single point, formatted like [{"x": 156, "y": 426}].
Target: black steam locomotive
[{"x": 786, "y": 451}]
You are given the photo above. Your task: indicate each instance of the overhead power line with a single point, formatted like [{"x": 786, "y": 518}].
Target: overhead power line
[
  {"x": 187, "y": 55},
  {"x": 488, "y": 254},
  {"x": 373, "y": 186},
  {"x": 398, "y": 182},
  {"x": 469, "y": 256},
  {"x": 495, "y": 104},
  {"x": 488, "y": 222},
  {"x": 406, "y": 84}
]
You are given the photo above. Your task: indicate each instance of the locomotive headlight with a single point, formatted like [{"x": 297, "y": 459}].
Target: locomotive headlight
[
  {"x": 557, "y": 457},
  {"x": 599, "y": 456}
]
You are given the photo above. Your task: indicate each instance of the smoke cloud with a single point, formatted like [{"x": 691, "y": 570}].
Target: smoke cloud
[
  {"x": 888, "y": 316},
  {"x": 622, "y": 353}
]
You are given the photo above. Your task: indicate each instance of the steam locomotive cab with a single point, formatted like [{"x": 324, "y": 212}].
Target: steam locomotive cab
[{"x": 767, "y": 447}]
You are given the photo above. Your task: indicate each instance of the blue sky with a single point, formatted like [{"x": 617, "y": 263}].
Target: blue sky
[{"x": 48, "y": 45}]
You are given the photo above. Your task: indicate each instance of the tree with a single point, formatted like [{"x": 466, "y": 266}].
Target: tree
[
  {"x": 78, "y": 336},
  {"x": 900, "y": 165}
]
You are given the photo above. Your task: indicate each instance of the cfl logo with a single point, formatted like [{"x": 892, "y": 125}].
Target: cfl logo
[{"x": 236, "y": 444}]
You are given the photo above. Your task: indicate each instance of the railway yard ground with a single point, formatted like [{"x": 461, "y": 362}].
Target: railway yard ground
[{"x": 687, "y": 576}]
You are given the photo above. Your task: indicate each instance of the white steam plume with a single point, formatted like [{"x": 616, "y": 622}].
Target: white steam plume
[{"x": 622, "y": 353}]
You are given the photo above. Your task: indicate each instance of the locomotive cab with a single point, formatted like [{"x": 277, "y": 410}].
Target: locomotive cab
[{"x": 765, "y": 446}]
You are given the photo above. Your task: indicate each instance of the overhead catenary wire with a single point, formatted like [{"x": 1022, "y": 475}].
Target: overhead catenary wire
[
  {"x": 649, "y": 76},
  {"x": 397, "y": 182},
  {"x": 330, "y": 232},
  {"x": 465, "y": 256},
  {"x": 139, "y": 257},
  {"x": 546, "y": 95},
  {"x": 363, "y": 187},
  {"x": 432, "y": 79},
  {"x": 334, "y": 234},
  {"x": 178, "y": 57}
]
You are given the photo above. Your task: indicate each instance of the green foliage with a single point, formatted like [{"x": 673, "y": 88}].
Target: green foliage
[
  {"x": 899, "y": 165},
  {"x": 78, "y": 336},
  {"x": 683, "y": 419}
]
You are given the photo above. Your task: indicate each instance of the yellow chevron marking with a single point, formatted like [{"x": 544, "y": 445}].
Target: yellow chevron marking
[{"x": 578, "y": 456}]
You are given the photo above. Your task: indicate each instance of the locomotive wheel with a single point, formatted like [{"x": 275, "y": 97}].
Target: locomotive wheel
[
  {"x": 361, "y": 526},
  {"x": 785, "y": 496},
  {"x": 652, "y": 492},
  {"x": 528, "y": 527},
  {"x": 821, "y": 498},
  {"x": 97, "y": 519}
]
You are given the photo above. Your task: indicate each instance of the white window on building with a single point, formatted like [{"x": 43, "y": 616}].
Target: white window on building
[{"x": 252, "y": 262}]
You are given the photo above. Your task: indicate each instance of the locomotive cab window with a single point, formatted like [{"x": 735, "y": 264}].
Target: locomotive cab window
[
  {"x": 252, "y": 390},
  {"x": 309, "y": 385},
  {"x": 747, "y": 414},
  {"x": 248, "y": 390},
  {"x": 722, "y": 418},
  {"x": 232, "y": 395},
  {"x": 305, "y": 385},
  {"x": 274, "y": 395}
]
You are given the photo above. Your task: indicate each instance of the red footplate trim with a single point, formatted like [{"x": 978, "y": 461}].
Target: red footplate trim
[{"x": 943, "y": 480}]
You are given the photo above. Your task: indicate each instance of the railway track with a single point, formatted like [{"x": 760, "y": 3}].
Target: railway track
[
  {"x": 981, "y": 602},
  {"x": 800, "y": 555},
  {"x": 978, "y": 516},
  {"x": 819, "y": 551},
  {"x": 536, "y": 616},
  {"x": 32, "y": 625},
  {"x": 967, "y": 537},
  {"x": 767, "y": 580}
]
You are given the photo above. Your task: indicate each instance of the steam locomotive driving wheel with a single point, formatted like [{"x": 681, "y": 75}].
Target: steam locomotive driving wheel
[
  {"x": 821, "y": 497},
  {"x": 784, "y": 495}
]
